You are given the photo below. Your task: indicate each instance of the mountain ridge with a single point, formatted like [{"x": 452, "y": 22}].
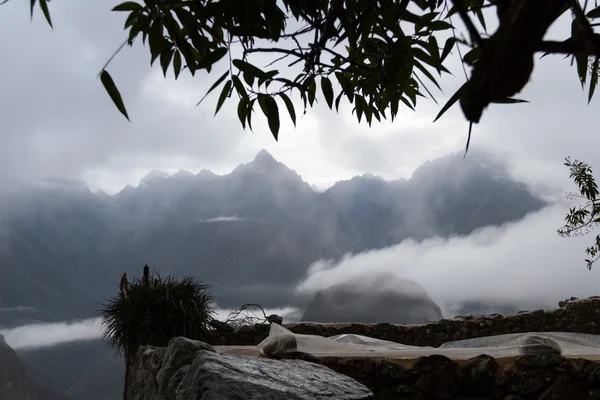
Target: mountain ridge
[{"x": 64, "y": 251}]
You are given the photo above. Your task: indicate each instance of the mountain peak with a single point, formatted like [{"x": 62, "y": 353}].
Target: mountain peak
[
  {"x": 264, "y": 157},
  {"x": 153, "y": 176},
  {"x": 181, "y": 174}
]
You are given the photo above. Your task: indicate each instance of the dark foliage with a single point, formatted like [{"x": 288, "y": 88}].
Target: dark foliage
[{"x": 155, "y": 312}]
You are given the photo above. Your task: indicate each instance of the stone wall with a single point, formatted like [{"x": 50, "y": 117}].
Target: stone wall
[
  {"x": 436, "y": 377},
  {"x": 574, "y": 315},
  {"x": 188, "y": 369}
]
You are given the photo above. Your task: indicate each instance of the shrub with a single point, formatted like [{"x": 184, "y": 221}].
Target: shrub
[{"x": 152, "y": 310}]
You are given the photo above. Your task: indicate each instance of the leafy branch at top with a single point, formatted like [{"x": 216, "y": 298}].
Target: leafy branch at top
[{"x": 377, "y": 54}]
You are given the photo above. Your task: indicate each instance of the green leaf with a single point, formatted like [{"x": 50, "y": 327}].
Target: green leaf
[
  {"x": 249, "y": 109},
  {"x": 32, "y": 6},
  {"x": 450, "y": 42},
  {"x": 594, "y": 13},
  {"x": 165, "y": 60},
  {"x": 249, "y": 79},
  {"x": 241, "y": 111},
  {"x": 439, "y": 25},
  {"x": 337, "y": 101},
  {"x": 468, "y": 138},
  {"x": 434, "y": 50},
  {"x": 582, "y": 68},
  {"x": 239, "y": 86},
  {"x": 509, "y": 100},
  {"x": 113, "y": 92},
  {"x": 187, "y": 52},
  {"x": 290, "y": 106},
  {"x": 359, "y": 106},
  {"x": 327, "y": 89},
  {"x": 427, "y": 74},
  {"x": 128, "y": 6},
  {"x": 271, "y": 111},
  {"x": 248, "y": 68},
  {"x": 449, "y": 103},
  {"x": 311, "y": 89},
  {"x": 480, "y": 17},
  {"x": 44, "y": 6},
  {"x": 177, "y": 63},
  {"x": 211, "y": 58},
  {"x": 347, "y": 87},
  {"x": 593, "y": 78},
  {"x": 213, "y": 87},
  {"x": 579, "y": 59},
  {"x": 224, "y": 95}
]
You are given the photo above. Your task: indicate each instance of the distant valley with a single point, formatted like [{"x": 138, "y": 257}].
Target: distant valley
[{"x": 250, "y": 234}]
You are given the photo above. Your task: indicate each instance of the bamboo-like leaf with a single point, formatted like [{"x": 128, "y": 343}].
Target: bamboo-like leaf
[
  {"x": 128, "y": 6},
  {"x": 214, "y": 86},
  {"x": 290, "y": 106},
  {"x": 241, "y": 111},
  {"x": 271, "y": 111},
  {"x": 594, "y": 13},
  {"x": 327, "y": 89},
  {"x": 337, "y": 101},
  {"x": 248, "y": 68},
  {"x": 249, "y": 110},
  {"x": 223, "y": 96},
  {"x": 32, "y": 6},
  {"x": 468, "y": 138},
  {"x": 439, "y": 25},
  {"x": 113, "y": 92},
  {"x": 165, "y": 60},
  {"x": 44, "y": 7},
  {"x": 593, "y": 78},
  {"x": 347, "y": 87},
  {"x": 427, "y": 74},
  {"x": 239, "y": 86},
  {"x": 450, "y": 42},
  {"x": 509, "y": 100},
  {"x": 582, "y": 68},
  {"x": 480, "y": 17},
  {"x": 211, "y": 58},
  {"x": 449, "y": 103},
  {"x": 176, "y": 63}
]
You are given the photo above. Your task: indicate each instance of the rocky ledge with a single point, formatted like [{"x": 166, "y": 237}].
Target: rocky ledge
[{"x": 191, "y": 370}]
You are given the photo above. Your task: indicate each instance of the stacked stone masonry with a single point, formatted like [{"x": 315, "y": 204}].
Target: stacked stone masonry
[
  {"x": 436, "y": 377},
  {"x": 574, "y": 315}
]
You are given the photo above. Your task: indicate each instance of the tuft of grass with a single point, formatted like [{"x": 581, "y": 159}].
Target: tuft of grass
[{"x": 153, "y": 312}]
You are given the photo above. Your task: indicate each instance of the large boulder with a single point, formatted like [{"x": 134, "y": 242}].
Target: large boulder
[
  {"x": 188, "y": 369},
  {"x": 373, "y": 299}
]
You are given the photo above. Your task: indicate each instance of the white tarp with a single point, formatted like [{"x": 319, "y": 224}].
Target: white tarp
[{"x": 282, "y": 340}]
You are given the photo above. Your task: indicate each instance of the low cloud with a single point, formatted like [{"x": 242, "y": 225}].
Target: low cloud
[
  {"x": 525, "y": 262},
  {"x": 232, "y": 218},
  {"x": 43, "y": 335},
  {"x": 48, "y": 335}
]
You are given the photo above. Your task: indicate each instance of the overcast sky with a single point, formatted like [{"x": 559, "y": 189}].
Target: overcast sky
[{"x": 58, "y": 121}]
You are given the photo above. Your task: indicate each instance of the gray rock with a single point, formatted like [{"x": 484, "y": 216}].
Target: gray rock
[
  {"x": 188, "y": 369},
  {"x": 540, "y": 345}
]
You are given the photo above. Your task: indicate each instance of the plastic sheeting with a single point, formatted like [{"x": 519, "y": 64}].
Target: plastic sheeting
[{"x": 282, "y": 340}]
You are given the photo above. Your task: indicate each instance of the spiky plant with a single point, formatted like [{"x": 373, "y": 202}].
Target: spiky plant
[{"x": 153, "y": 310}]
